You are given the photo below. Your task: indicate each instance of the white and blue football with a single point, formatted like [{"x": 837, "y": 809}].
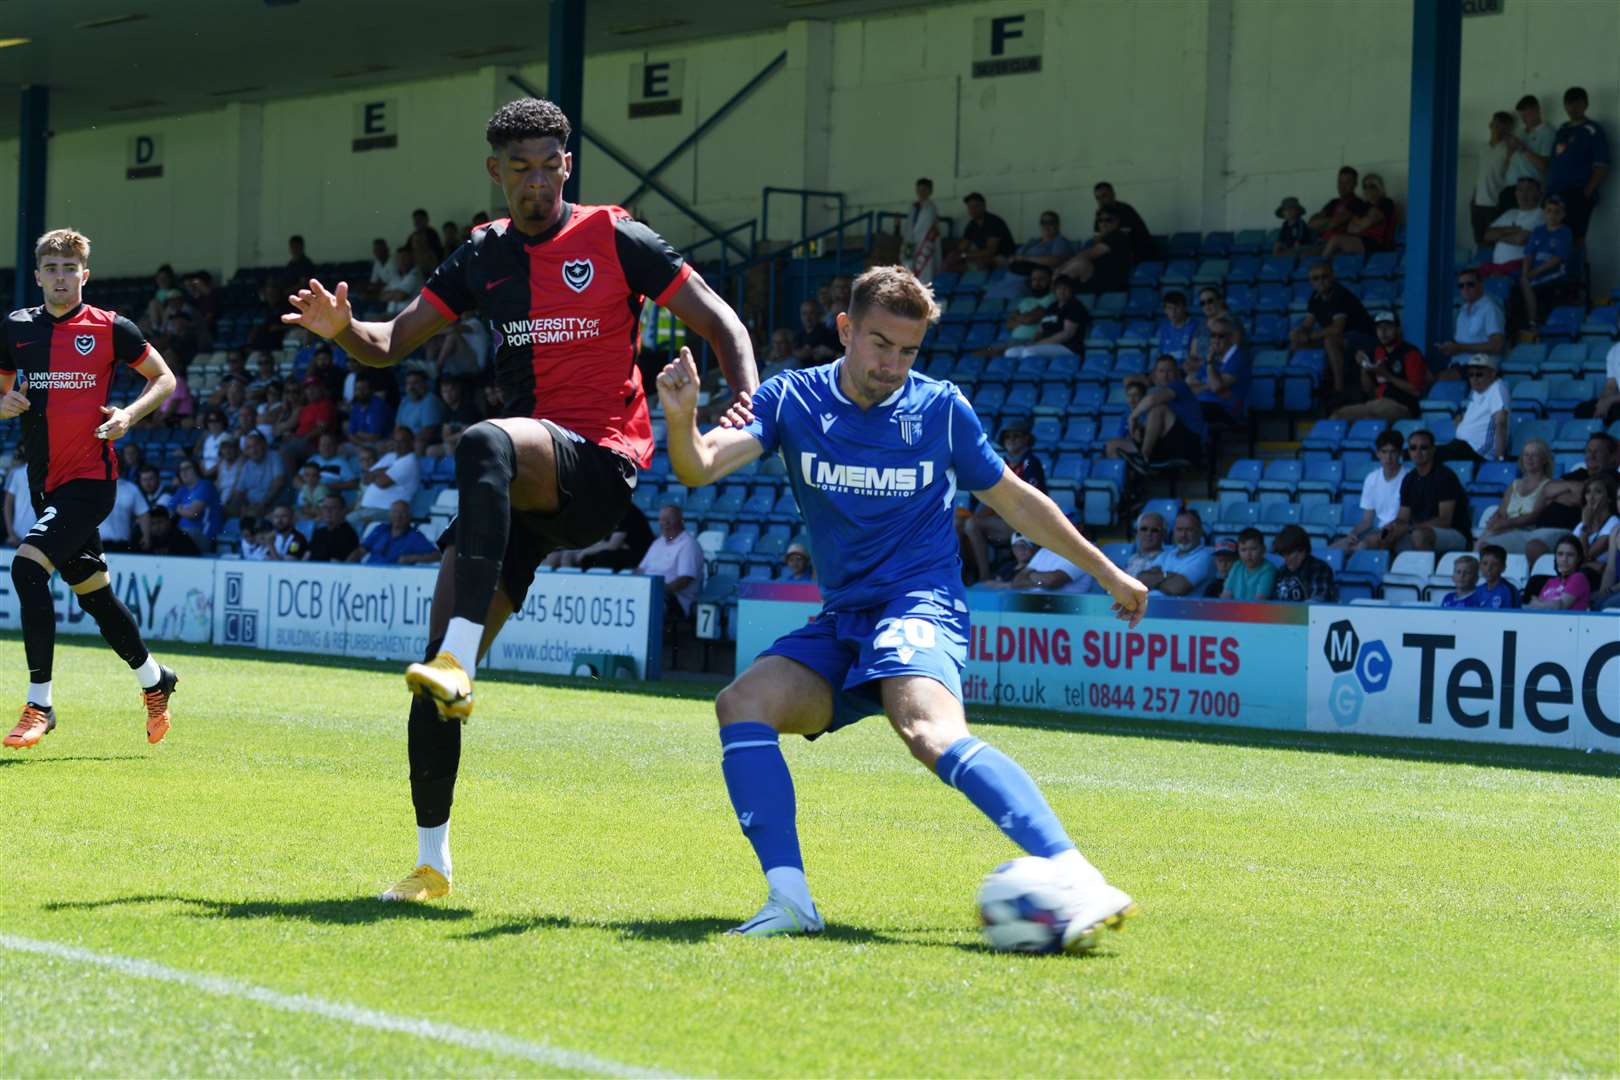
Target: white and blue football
[{"x": 1025, "y": 906}]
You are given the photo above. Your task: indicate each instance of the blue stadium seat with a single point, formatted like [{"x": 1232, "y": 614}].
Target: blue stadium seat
[
  {"x": 1103, "y": 334},
  {"x": 1243, "y": 476},
  {"x": 1281, "y": 475},
  {"x": 1269, "y": 330},
  {"x": 1147, "y": 274},
  {"x": 699, "y": 502},
  {"x": 1321, "y": 476},
  {"x": 1464, "y": 471},
  {"x": 1128, "y": 362},
  {"x": 1021, "y": 399},
  {"x": 1211, "y": 272},
  {"x": 1079, "y": 432},
  {"x": 1597, "y": 355},
  {"x": 1138, "y": 334},
  {"x": 1242, "y": 270},
  {"x": 1365, "y": 567},
  {"x": 1321, "y": 520},
  {"x": 1048, "y": 429},
  {"x": 1142, "y": 302},
  {"x": 1069, "y": 470},
  {"x": 1573, "y": 435},
  {"x": 1086, "y": 401},
  {"x": 1108, "y": 305},
  {"x": 1184, "y": 245},
  {"x": 1492, "y": 478},
  {"x": 1249, "y": 242},
  {"x": 1235, "y": 516},
  {"x": 1381, "y": 264},
  {"x": 1166, "y": 509},
  {"x": 1275, "y": 515},
  {"x": 1240, "y": 297},
  {"x": 1563, "y": 322},
  {"x": 1120, "y": 553},
  {"x": 1525, "y": 359},
  {"x": 1326, "y": 435},
  {"x": 1276, "y": 268},
  {"x": 1363, "y": 435},
  {"x": 1178, "y": 273},
  {"x": 1531, "y": 397},
  {"x": 1526, "y": 428},
  {"x": 1563, "y": 395},
  {"x": 1347, "y": 268},
  {"x": 1215, "y": 243}
]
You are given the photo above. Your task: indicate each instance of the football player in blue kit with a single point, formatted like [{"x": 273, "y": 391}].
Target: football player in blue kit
[{"x": 876, "y": 454}]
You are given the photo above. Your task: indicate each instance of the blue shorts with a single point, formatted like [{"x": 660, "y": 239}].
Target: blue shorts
[{"x": 924, "y": 632}]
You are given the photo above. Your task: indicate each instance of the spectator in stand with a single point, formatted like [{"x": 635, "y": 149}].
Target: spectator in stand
[
  {"x": 118, "y": 529},
  {"x": 780, "y": 357},
  {"x": 1510, "y": 230},
  {"x": 257, "y": 536},
  {"x": 1104, "y": 264},
  {"x": 403, "y": 285},
  {"x": 382, "y": 268},
  {"x": 1063, "y": 327},
  {"x": 1495, "y": 592},
  {"x": 986, "y": 240},
  {"x": 19, "y": 504},
  {"x": 1222, "y": 381},
  {"x": 228, "y": 475},
  {"x": 1187, "y": 568},
  {"x": 1303, "y": 577},
  {"x": 1598, "y": 523},
  {"x": 1434, "y": 512},
  {"x": 300, "y": 268},
  {"x": 194, "y": 505},
  {"x": 983, "y": 526},
  {"x": 130, "y": 458},
  {"x": 1380, "y": 497},
  {"x": 286, "y": 542},
  {"x": 419, "y": 410},
  {"x": 1606, "y": 406},
  {"x": 1393, "y": 379},
  {"x": 165, "y": 289},
  {"x": 1568, "y": 589},
  {"x": 1513, "y": 524},
  {"x": 1480, "y": 327},
  {"x": 1371, "y": 230},
  {"x": 1211, "y": 306},
  {"x": 1491, "y": 175},
  {"x": 796, "y": 564},
  {"x": 1295, "y": 236},
  {"x": 1482, "y": 426},
  {"x": 837, "y": 303},
  {"x": 919, "y": 237},
  {"x": 316, "y": 417},
  {"x": 1607, "y": 596},
  {"x": 1177, "y": 329},
  {"x": 1047, "y": 248},
  {"x": 370, "y": 418},
  {"x": 460, "y": 406},
  {"x": 1580, "y": 161},
  {"x": 266, "y": 373},
  {"x": 1149, "y": 544},
  {"x": 1139, "y": 241},
  {"x": 334, "y": 539},
  {"x": 260, "y": 482},
  {"x": 1337, "y": 213},
  {"x": 163, "y": 539},
  {"x": 1335, "y": 321},
  {"x": 203, "y": 299},
  {"x": 1023, "y": 325},
  {"x": 462, "y": 348},
  {"x": 1254, "y": 577},
  {"x": 395, "y": 542},
  {"x": 1226, "y": 557},
  {"x": 1565, "y": 495},
  {"x": 494, "y": 403},
  {"x": 425, "y": 236},
  {"x": 1549, "y": 255},
  {"x": 394, "y": 476},
  {"x": 181, "y": 337},
  {"x": 816, "y": 342},
  {"x": 675, "y": 556},
  {"x": 206, "y": 449},
  {"x": 338, "y": 472},
  {"x": 1049, "y": 571},
  {"x": 309, "y": 493},
  {"x": 1166, "y": 425},
  {"x": 1464, "y": 579},
  {"x": 449, "y": 438},
  {"x": 150, "y": 494},
  {"x": 1020, "y": 550},
  {"x": 1532, "y": 151},
  {"x": 319, "y": 364},
  {"x": 450, "y": 235}
]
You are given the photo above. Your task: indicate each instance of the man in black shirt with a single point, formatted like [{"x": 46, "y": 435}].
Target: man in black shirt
[
  {"x": 985, "y": 240},
  {"x": 1130, "y": 222},
  {"x": 334, "y": 539},
  {"x": 1337, "y": 322},
  {"x": 815, "y": 342},
  {"x": 165, "y": 539},
  {"x": 1434, "y": 513},
  {"x": 1104, "y": 264}
]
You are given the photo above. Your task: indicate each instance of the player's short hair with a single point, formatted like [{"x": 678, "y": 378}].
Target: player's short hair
[
  {"x": 69, "y": 243},
  {"x": 896, "y": 290},
  {"x": 526, "y": 118},
  {"x": 1495, "y": 550}
]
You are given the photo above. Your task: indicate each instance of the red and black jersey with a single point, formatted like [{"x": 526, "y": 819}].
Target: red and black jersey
[
  {"x": 66, "y": 367},
  {"x": 562, "y": 309}
]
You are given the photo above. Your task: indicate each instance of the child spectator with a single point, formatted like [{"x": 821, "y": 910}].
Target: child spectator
[
  {"x": 1568, "y": 589},
  {"x": 1495, "y": 592},
  {"x": 1254, "y": 577},
  {"x": 1464, "y": 576},
  {"x": 1294, "y": 238},
  {"x": 1303, "y": 577}
]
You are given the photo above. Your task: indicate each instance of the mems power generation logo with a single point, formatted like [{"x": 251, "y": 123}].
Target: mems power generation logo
[{"x": 1359, "y": 669}]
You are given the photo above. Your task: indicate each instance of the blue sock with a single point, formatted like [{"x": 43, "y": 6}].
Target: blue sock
[
  {"x": 761, "y": 792},
  {"x": 994, "y": 783}
]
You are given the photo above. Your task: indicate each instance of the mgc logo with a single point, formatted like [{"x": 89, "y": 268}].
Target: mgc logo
[{"x": 1360, "y": 669}]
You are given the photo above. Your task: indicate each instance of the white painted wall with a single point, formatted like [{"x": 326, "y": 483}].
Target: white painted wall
[{"x": 1203, "y": 114}]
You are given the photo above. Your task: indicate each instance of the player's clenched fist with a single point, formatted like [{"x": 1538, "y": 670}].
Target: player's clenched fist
[
  {"x": 678, "y": 385},
  {"x": 1130, "y": 598},
  {"x": 15, "y": 403}
]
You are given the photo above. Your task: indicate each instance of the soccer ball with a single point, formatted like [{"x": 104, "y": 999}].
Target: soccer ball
[{"x": 1025, "y": 906}]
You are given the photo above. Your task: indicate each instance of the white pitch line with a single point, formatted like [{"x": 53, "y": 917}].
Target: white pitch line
[{"x": 492, "y": 1042}]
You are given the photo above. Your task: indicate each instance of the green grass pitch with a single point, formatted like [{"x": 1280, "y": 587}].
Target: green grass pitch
[{"x": 1309, "y": 906}]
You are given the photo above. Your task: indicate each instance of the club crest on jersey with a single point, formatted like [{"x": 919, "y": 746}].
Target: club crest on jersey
[
  {"x": 578, "y": 274},
  {"x": 910, "y": 426},
  {"x": 84, "y": 343}
]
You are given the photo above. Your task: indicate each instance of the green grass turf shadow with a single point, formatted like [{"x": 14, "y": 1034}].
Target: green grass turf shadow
[
  {"x": 25, "y": 758},
  {"x": 342, "y": 911}
]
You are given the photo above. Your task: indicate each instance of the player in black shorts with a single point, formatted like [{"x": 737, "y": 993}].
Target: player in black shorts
[
  {"x": 561, "y": 288},
  {"x": 65, "y": 354}
]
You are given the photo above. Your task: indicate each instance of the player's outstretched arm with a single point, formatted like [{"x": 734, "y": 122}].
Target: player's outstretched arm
[
  {"x": 698, "y": 458},
  {"x": 375, "y": 344},
  {"x": 1029, "y": 511},
  {"x": 160, "y": 384},
  {"x": 697, "y": 305}
]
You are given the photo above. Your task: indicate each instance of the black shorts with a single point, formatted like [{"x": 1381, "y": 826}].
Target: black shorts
[
  {"x": 69, "y": 527},
  {"x": 594, "y": 485},
  {"x": 1179, "y": 443}
]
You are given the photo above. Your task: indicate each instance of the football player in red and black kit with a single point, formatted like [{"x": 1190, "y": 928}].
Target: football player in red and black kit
[
  {"x": 561, "y": 287},
  {"x": 65, "y": 354}
]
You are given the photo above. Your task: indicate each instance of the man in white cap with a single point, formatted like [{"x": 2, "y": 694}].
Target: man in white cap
[
  {"x": 1482, "y": 427},
  {"x": 1047, "y": 569}
]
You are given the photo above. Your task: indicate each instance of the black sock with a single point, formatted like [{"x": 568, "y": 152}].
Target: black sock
[
  {"x": 117, "y": 625},
  {"x": 486, "y": 462},
  {"x": 32, "y": 583},
  {"x": 435, "y": 755}
]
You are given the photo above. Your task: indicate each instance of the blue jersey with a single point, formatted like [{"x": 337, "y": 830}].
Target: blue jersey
[{"x": 877, "y": 487}]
